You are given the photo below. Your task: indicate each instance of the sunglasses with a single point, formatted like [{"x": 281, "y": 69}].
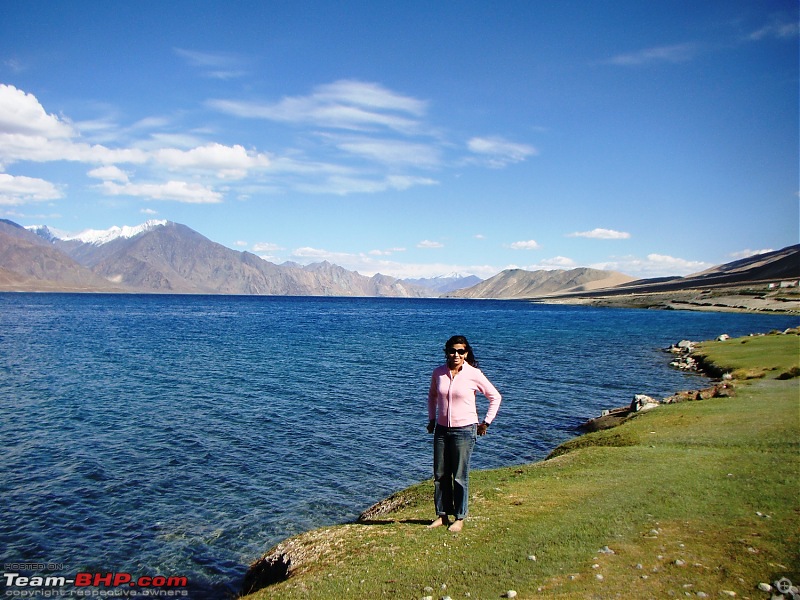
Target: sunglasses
[{"x": 453, "y": 351}]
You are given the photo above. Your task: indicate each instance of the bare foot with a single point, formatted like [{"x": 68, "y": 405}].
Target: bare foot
[
  {"x": 439, "y": 522},
  {"x": 457, "y": 526}
]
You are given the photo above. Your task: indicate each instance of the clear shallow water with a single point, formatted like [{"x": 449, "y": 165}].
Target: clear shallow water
[{"x": 185, "y": 435}]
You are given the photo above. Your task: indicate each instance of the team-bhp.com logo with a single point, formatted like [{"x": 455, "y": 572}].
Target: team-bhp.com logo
[{"x": 86, "y": 584}]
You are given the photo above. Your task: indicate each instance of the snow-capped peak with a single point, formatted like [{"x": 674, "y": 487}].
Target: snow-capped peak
[
  {"x": 98, "y": 237},
  {"x": 46, "y": 233}
]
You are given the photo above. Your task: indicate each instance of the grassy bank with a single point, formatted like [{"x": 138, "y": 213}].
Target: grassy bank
[{"x": 693, "y": 498}]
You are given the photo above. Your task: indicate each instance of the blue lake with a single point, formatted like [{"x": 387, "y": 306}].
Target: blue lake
[{"x": 186, "y": 435}]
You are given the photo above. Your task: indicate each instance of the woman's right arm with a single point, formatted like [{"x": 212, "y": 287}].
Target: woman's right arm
[{"x": 433, "y": 394}]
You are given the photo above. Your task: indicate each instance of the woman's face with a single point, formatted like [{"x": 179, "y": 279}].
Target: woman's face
[{"x": 456, "y": 355}]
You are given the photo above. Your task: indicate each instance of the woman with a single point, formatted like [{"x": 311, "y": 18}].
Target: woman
[{"x": 453, "y": 419}]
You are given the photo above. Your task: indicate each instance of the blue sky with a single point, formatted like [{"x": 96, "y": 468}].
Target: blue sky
[{"x": 414, "y": 139}]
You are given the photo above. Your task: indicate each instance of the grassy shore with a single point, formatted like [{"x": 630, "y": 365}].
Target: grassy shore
[{"x": 695, "y": 499}]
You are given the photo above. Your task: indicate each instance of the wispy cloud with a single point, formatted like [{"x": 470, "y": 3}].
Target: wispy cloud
[
  {"x": 344, "y": 185},
  {"x": 498, "y": 152},
  {"x": 676, "y": 53},
  {"x": 344, "y": 104},
  {"x": 217, "y": 65},
  {"x": 371, "y": 140},
  {"x": 392, "y": 152},
  {"x": 368, "y": 121},
  {"x": 601, "y": 234},
  {"x": 777, "y": 29},
  {"x": 654, "y": 265},
  {"x": 15, "y": 65}
]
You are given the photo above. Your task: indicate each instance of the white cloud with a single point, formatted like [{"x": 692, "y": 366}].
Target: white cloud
[
  {"x": 387, "y": 252},
  {"x": 109, "y": 173},
  {"x": 655, "y": 265},
  {"x": 430, "y": 244},
  {"x": 676, "y": 53},
  {"x": 28, "y": 132},
  {"x": 499, "y": 152},
  {"x": 315, "y": 253},
  {"x": 558, "y": 262},
  {"x": 19, "y": 190},
  {"x": 263, "y": 246},
  {"x": 526, "y": 245},
  {"x": 748, "y": 253},
  {"x": 344, "y": 104},
  {"x": 168, "y": 161},
  {"x": 230, "y": 162},
  {"x": 601, "y": 234},
  {"x": 368, "y": 265},
  {"x": 21, "y": 113},
  {"x": 16, "y": 147},
  {"x": 178, "y": 191}
]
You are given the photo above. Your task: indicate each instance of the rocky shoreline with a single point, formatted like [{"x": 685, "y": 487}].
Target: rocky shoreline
[{"x": 685, "y": 359}]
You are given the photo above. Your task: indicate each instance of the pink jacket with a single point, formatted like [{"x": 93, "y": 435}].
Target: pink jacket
[{"x": 451, "y": 400}]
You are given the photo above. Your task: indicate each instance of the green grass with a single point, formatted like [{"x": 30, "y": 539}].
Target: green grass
[
  {"x": 699, "y": 496},
  {"x": 753, "y": 357}
]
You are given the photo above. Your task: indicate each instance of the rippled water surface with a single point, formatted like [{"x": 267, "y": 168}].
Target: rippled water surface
[{"x": 185, "y": 435}]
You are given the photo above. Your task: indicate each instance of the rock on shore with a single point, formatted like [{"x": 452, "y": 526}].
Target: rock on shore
[{"x": 683, "y": 360}]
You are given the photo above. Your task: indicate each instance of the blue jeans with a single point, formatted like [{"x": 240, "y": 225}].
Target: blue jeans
[{"x": 452, "y": 449}]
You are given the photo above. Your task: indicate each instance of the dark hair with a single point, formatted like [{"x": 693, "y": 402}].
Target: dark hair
[{"x": 460, "y": 339}]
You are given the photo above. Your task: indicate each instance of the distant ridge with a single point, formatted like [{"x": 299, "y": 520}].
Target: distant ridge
[
  {"x": 766, "y": 282},
  {"x": 520, "y": 284},
  {"x": 777, "y": 265},
  {"x": 446, "y": 283}
]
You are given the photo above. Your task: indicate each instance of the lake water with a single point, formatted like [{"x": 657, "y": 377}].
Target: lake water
[{"x": 186, "y": 435}]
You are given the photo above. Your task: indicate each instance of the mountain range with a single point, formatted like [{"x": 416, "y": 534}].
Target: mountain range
[{"x": 167, "y": 257}]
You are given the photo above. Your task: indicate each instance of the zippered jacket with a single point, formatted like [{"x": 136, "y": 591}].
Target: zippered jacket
[{"x": 451, "y": 400}]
